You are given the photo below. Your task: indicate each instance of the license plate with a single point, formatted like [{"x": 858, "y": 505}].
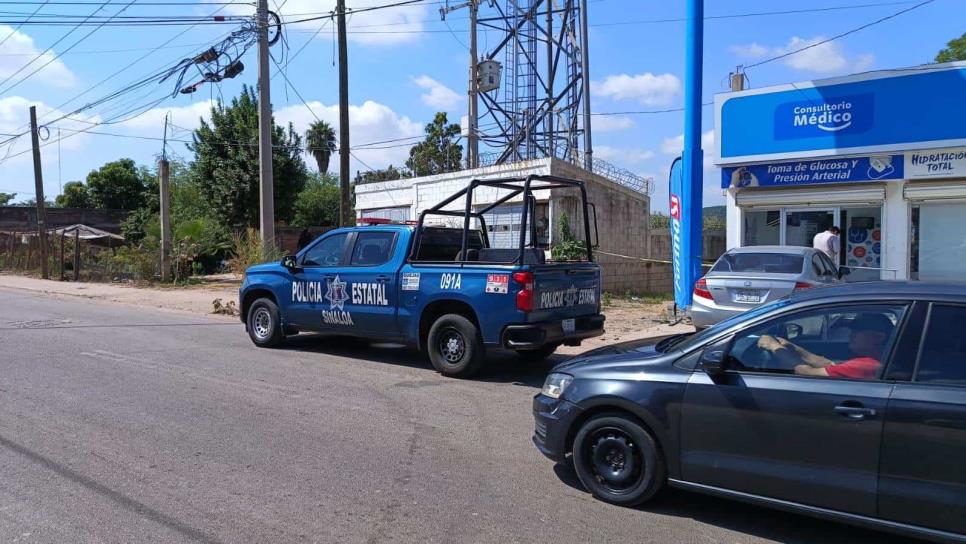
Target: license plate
[
  {"x": 747, "y": 295},
  {"x": 569, "y": 325}
]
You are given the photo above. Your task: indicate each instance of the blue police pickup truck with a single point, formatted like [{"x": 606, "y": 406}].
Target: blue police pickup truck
[{"x": 440, "y": 288}]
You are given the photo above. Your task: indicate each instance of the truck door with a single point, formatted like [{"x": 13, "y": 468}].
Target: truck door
[
  {"x": 370, "y": 277},
  {"x": 317, "y": 289}
]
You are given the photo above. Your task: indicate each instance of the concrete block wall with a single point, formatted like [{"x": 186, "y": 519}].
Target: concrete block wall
[{"x": 661, "y": 276}]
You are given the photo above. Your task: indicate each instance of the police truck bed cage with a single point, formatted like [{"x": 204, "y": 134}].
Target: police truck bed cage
[{"x": 515, "y": 187}]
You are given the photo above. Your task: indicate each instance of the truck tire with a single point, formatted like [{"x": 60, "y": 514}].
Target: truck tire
[
  {"x": 617, "y": 460},
  {"x": 538, "y": 354},
  {"x": 455, "y": 346},
  {"x": 264, "y": 324}
]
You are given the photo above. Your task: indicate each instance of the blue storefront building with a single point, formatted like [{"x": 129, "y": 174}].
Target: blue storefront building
[{"x": 881, "y": 155}]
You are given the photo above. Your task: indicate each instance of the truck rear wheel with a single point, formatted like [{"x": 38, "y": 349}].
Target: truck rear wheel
[
  {"x": 264, "y": 324},
  {"x": 455, "y": 346}
]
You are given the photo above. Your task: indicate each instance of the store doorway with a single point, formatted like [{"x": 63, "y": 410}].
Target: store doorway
[{"x": 802, "y": 225}]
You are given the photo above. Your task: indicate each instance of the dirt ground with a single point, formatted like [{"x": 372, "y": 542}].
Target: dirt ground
[{"x": 628, "y": 318}]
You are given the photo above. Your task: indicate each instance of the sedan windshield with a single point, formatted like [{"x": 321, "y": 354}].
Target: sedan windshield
[
  {"x": 685, "y": 343},
  {"x": 776, "y": 263}
]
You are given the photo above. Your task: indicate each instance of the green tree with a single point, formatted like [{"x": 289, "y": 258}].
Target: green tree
[
  {"x": 117, "y": 185},
  {"x": 320, "y": 142},
  {"x": 954, "y": 50},
  {"x": 438, "y": 153},
  {"x": 5, "y": 198},
  {"x": 388, "y": 174},
  {"x": 226, "y": 163},
  {"x": 318, "y": 203},
  {"x": 75, "y": 195}
]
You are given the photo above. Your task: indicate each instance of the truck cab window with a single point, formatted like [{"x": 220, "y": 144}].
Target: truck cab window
[{"x": 327, "y": 252}]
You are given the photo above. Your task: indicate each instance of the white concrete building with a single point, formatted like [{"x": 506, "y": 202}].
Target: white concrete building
[{"x": 622, "y": 212}]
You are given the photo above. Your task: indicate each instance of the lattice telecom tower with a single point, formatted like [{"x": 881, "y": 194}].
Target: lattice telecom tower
[{"x": 541, "y": 106}]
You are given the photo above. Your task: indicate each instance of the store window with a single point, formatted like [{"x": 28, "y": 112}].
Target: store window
[
  {"x": 938, "y": 241},
  {"x": 862, "y": 243},
  {"x": 762, "y": 227}
]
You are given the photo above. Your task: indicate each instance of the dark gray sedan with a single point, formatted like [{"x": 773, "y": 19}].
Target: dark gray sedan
[
  {"x": 847, "y": 403},
  {"x": 746, "y": 277}
]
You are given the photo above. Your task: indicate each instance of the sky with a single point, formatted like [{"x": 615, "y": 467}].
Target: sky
[{"x": 405, "y": 64}]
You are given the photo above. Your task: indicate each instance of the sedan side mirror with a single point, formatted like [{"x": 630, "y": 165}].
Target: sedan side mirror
[
  {"x": 289, "y": 263},
  {"x": 713, "y": 358},
  {"x": 844, "y": 271}
]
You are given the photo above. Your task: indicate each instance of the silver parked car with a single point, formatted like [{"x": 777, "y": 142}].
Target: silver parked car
[{"x": 747, "y": 277}]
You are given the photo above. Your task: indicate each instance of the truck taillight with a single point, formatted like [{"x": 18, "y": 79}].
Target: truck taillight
[
  {"x": 525, "y": 295},
  {"x": 701, "y": 289}
]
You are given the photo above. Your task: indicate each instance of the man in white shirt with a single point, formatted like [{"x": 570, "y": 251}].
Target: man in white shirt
[{"x": 828, "y": 243}]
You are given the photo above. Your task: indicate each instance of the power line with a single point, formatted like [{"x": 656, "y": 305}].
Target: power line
[
  {"x": 14, "y": 31},
  {"x": 846, "y": 33}
]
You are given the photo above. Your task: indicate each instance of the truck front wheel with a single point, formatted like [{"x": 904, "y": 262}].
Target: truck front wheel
[
  {"x": 455, "y": 346},
  {"x": 264, "y": 327}
]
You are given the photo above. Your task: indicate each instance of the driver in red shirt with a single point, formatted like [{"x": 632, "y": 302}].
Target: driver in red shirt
[{"x": 867, "y": 341}]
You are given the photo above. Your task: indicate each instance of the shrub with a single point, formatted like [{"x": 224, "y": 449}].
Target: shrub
[
  {"x": 570, "y": 248},
  {"x": 246, "y": 250}
]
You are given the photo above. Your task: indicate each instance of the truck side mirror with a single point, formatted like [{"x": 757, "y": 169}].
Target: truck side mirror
[{"x": 290, "y": 264}]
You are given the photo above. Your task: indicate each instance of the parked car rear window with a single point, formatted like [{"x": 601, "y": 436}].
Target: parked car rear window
[
  {"x": 776, "y": 263},
  {"x": 943, "y": 358}
]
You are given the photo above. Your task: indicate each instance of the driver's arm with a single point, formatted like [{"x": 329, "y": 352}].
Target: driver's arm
[
  {"x": 791, "y": 354},
  {"x": 806, "y": 370}
]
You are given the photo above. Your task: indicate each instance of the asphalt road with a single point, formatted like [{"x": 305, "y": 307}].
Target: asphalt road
[{"x": 119, "y": 424}]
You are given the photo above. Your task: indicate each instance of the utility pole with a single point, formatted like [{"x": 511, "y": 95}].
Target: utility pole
[
  {"x": 164, "y": 173},
  {"x": 39, "y": 190},
  {"x": 266, "y": 183},
  {"x": 473, "y": 88},
  {"x": 344, "y": 204},
  {"x": 472, "y": 139},
  {"x": 585, "y": 71}
]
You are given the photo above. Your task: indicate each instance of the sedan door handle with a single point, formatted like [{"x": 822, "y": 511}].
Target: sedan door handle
[{"x": 855, "y": 412}]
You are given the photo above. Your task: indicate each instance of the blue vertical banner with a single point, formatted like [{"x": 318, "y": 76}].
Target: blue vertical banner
[{"x": 682, "y": 289}]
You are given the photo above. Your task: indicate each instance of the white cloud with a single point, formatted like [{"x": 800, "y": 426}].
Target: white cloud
[
  {"x": 820, "y": 58},
  {"x": 622, "y": 156},
  {"x": 369, "y": 122},
  {"x": 647, "y": 88},
  {"x": 187, "y": 117},
  {"x": 752, "y": 50},
  {"x": 391, "y": 26},
  {"x": 611, "y": 123},
  {"x": 674, "y": 146},
  {"x": 19, "y": 49},
  {"x": 438, "y": 96},
  {"x": 15, "y": 119}
]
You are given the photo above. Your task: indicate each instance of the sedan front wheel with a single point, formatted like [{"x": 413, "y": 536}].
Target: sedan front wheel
[{"x": 617, "y": 460}]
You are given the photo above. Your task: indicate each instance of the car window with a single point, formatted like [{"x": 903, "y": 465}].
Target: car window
[
  {"x": 849, "y": 342},
  {"x": 777, "y": 263},
  {"x": 327, "y": 252},
  {"x": 689, "y": 342},
  {"x": 943, "y": 357},
  {"x": 372, "y": 248}
]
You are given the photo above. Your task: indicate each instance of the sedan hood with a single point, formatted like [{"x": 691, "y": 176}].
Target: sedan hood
[{"x": 614, "y": 355}]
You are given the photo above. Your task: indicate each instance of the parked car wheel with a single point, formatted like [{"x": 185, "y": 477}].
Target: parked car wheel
[
  {"x": 538, "y": 354},
  {"x": 264, "y": 324},
  {"x": 617, "y": 460},
  {"x": 455, "y": 346}
]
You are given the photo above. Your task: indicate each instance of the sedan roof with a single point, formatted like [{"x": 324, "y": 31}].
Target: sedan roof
[
  {"x": 792, "y": 250},
  {"x": 900, "y": 289}
]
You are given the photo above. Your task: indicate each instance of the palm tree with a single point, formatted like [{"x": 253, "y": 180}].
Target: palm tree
[{"x": 320, "y": 141}]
